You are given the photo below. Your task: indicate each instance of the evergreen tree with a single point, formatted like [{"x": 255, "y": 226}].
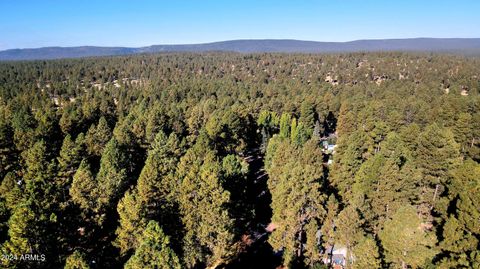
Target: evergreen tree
[
  {"x": 294, "y": 133},
  {"x": 69, "y": 159},
  {"x": 474, "y": 143},
  {"x": 8, "y": 154},
  {"x": 348, "y": 231},
  {"x": 156, "y": 183},
  {"x": 76, "y": 261},
  {"x": 84, "y": 187},
  {"x": 47, "y": 127},
  {"x": 459, "y": 244},
  {"x": 346, "y": 120},
  {"x": 437, "y": 153},
  {"x": 112, "y": 177},
  {"x": 385, "y": 182},
  {"x": 10, "y": 190},
  {"x": 318, "y": 130},
  {"x": 20, "y": 235},
  {"x": 328, "y": 226},
  {"x": 153, "y": 251},
  {"x": 461, "y": 232},
  {"x": 467, "y": 184},
  {"x": 352, "y": 152},
  {"x": 132, "y": 221},
  {"x": 285, "y": 121},
  {"x": 156, "y": 122},
  {"x": 462, "y": 131},
  {"x": 296, "y": 198},
  {"x": 23, "y": 124},
  {"x": 409, "y": 135},
  {"x": 32, "y": 225},
  {"x": 366, "y": 254},
  {"x": 209, "y": 231},
  {"x": 70, "y": 155},
  {"x": 97, "y": 137},
  {"x": 153, "y": 197},
  {"x": 405, "y": 240},
  {"x": 268, "y": 119},
  {"x": 307, "y": 117},
  {"x": 299, "y": 133},
  {"x": 235, "y": 171}
]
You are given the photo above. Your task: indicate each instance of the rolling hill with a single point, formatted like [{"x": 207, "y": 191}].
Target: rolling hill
[{"x": 467, "y": 46}]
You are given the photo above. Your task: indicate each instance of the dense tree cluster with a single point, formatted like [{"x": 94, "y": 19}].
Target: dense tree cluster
[{"x": 221, "y": 160}]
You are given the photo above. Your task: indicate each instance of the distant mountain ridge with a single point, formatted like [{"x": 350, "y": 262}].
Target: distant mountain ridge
[{"x": 450, "y": 45}]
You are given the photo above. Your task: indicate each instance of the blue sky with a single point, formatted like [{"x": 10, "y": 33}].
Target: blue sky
[{"x": 38, "y": 23}]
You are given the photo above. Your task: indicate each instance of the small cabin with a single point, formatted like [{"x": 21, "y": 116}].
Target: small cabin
[{"x": 336, "y": 256}]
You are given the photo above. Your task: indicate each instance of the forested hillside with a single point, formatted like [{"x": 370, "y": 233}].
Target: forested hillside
[
  {"x": 459, "y": 46},
  {"x": 220, "y": 160}
]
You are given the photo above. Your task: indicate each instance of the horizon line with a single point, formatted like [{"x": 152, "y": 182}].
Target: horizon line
[{"x": 240, "y": 39}]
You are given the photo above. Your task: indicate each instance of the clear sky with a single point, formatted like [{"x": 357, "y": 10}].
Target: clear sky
[{"x": 39, "y": 23}]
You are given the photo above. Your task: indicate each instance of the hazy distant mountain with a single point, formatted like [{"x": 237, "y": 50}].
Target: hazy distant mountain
[
  {"x": 452, "y": 45},
  {"x": 62, "y": 52}
]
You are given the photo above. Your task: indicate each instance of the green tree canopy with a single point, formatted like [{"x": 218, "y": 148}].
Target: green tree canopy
[
  {"x": 153, "y": 251},
  {"x": 76, "y": 261},
  {"x": 406, "y": 241}
]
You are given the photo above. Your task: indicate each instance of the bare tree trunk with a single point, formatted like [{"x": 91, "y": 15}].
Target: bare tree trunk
[
  {"x": 330, "y": 255},
  {"x": 435, "y": 195},
  {"x": 300, "y": 235},
  {"x": 300, "y": 247}
]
